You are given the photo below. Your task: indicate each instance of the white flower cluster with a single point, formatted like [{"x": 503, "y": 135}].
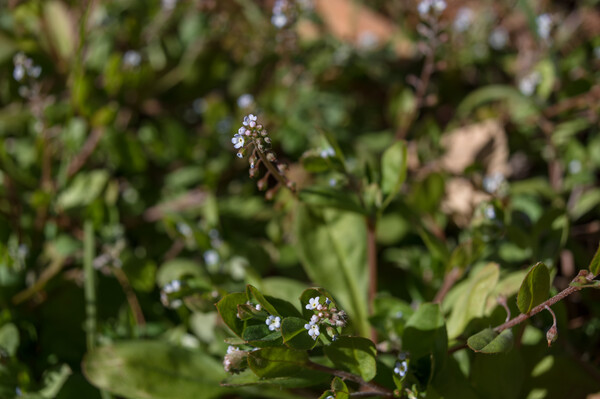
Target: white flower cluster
[
  {"x": 233, "y": 360},
  {"x": 279, "y": 18},
  {"x": 427, "y": 7},
  {"x": 24, "y": 67},
  {"x": 170, "y": 288},
  {"x": 323, "y": 314},
  {"x": 251, "y": 131}
]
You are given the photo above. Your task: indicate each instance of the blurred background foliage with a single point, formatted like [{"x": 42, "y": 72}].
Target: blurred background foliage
[{"x": 118, "y": 116}]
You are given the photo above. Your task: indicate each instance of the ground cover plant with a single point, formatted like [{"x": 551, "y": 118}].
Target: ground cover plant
[{"x": 299, "y": 199}]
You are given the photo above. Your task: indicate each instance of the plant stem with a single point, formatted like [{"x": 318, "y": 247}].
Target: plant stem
[
  {"x": 561, "y": 295},
  {"x": 134, "y": 304},
  {"x": 373, "y": 387},
  {"x": 449, "y": 279},
  {"x": 372, "y": 262},
  {"x": 89, "y": 284},
  {"x": 275, "y": 172}
]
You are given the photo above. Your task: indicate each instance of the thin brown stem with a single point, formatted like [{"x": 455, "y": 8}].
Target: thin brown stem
[
  {"x": 558, "y": 297},
  {"x": 86, "y": 151},
  {"x": 449, "y": 281},
  {"x": 371, "y": 386},
  {"x": 275, "y": 172},
  {"x": 372, "y": 261},
  {"x": 134, "y": 304}
]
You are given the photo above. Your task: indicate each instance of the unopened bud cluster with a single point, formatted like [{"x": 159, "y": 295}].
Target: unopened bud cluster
[
  {"x": 324, "y": 314},
  {"x": 235, "y": 360},
  {"x": 167, "y": 291}
]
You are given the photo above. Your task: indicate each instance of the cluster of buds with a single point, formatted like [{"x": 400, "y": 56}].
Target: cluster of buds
[
  {"x": 252, "y": 136},
  {"x": 401, "y": 366},
  {"x": 235, "y": 360},
  {"x": 26, "y": 72},
  {"x": 324, "y": 314}
]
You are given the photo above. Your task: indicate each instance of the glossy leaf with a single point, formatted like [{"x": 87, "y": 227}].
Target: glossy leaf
[
  {"x": 301, "y": 379},
  {"x": 338, "y": 386},
  {"x": 295, "y": 335},
  {"x": 534, "y": 289},
  {"x": 277, "y": 362},
  {"x": 425, "y": 333},
  {"x": 153, "y": 370},
  {"x": 260, "y": 336},
  {"x": 354, "y": 354},
  {"x": 489, "y": 341},
  {"x": 266, "y": 305},
  {"x": 332, "y": 246}
]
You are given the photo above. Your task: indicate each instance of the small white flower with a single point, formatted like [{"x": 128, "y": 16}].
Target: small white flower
[
  {"x": 231, "y": 349},
  {"x": 439, "y": 6},
  {"x": 237, "y": 141},
  {"x": 463, "y": 20},
  {"x": 172, "y": 287},
  {"x": 132, "y": 58},
  {"x": 258, "y": 307},
  {"x": 245, "y": 100},
  {"x": 211, "y": 257},
  {"x": 367, "y": 40},
  {"x": 314, "y": 319},
  {"x": 19, "y": 72},
  {"x": 544, "y": 25},
  {"x": 492, "y": 183},
  {"x": 273, "y": 322},
  {"x": 279, "y": 20},
  {"x": 313, "y": 303},
  {"x": 574, "y": 166},
  {"x": 250, "y": 120},
  {"x": 498, "y": 38},
  {"x": 401, "y": 368},
  {"x": 240, "y": 155},
  {"x": 528, "y": 84},
  {"x": 327, "y": 152},
  {"x": 490, "y": 213},
  {"x": 313, "y": 330},
  {"x": 424, "y": 7},
  {"x": 329, "y": 397}
]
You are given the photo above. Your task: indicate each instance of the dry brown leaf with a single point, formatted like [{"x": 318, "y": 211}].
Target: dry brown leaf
[
  {"x": 484, "y": 142},
  {"x": 461, "y": 200},
  {"x": 358, "y": 25}
]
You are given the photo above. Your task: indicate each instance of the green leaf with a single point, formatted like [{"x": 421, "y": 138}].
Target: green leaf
[
  {"x": 54, "y": 381},
  {"x": 177, "y": 269},
  {"x": 425, "y": 332},
  {"x": 61, "y": 30},
  {"x": 303, "y": 378},
  {"x": 295, "y": 335},
  {"x": 228, "y": 307},
  {"x": 354, "y": 354},
  {"x": 595, "y": 263},
  {"x": 9, "y": 339},
  {"x": 284, "y": 308},
  {"x": 338, "y": 386},
  {"x": 266, "y": 305},
  {"x": 332, "y": 246},
  {"x": 153, "y": 370},
  {"x": 393, "y": 170},
  {"x": 329, "y": 197},
  {"x": 534, "y": 289},
  {"x": 489, "y": 341},
  {"x": 84, "y": 189},
  {"x": 471, "y": 302},
  {"x": 260, "y": 336},
  {"x": 277, "y": 362}
]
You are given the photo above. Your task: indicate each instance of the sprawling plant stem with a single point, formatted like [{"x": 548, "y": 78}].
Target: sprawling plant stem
[
  {"x": 372, "y": 388},
  {"x": 558, "y": 297}
]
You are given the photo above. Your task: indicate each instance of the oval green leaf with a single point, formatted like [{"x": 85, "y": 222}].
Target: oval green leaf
[
  {"x": 595, "y": 263},
  {"x": 534, "y": 288},
  {"x": 295, "y": 335},
  {"x": 489, "y": 341},
  {"x": 277, "y": 362},
  {"x": 393, "y": 170},
  {"x": 153, "y": 370},
  {"x": 354, "y": 354},
  {"x": 228, "y": 308}
]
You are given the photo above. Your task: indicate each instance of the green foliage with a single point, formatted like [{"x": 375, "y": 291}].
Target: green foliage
[
  {"x": 534, "y": 289},
  {"x": 354, "y": 354},
  {"x": 489, "y": 341}
]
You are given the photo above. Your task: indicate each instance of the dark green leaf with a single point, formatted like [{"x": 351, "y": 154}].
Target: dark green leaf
[
  {"x": 253, "y": 292},
  {"x": 489, "y": 341},
  {"x": 303, "y": 378},
  {"x": 260, "y": 336},
  {"x": 9, "y": 339},
  {"x": 284, "y": 308},
  {"x": 339, "y": 388},
  {"x": 332, "y": 246},
  {"x": 534, "y": 289},
  {"x": 425, "y": 331},
  {"x": 354, "y": 354},
  {"x": 153, "y": 370},
  {"x": 277, "y": 362},
  {"x": 295, "y": 335},
  {"x": 329, "y": 197},
  {"x": 228, "y": 307}
]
